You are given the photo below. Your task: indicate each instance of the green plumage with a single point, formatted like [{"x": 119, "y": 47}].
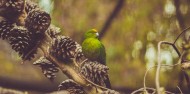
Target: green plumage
[{"x": 93, "y": 48}]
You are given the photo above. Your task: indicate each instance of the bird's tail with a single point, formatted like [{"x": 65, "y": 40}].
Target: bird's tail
[{"x": 107, "y": 82}]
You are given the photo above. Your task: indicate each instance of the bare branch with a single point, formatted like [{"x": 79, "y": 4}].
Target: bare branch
[{"x": 115, "y": 12}]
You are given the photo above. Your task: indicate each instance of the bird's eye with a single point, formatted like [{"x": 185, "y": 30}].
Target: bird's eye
[{"x": 97, "y": 34}]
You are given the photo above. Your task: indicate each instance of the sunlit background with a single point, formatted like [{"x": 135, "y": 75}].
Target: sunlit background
[{"x": 130, "y": 41}]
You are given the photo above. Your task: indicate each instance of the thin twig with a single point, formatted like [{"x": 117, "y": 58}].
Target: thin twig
[
  {"x": 162, "y": 65},
  {"x": 148, "y": 88},
  {"x": 180, "y": 90},
  {"x": 180, "y": 19},
  {"x": 159, "y": 64},
  {"x": 157, "y": 81},
  {"x": 145, "y": 77},
  {"x": 181, "y": 34},
  {"x": 173, "y": 45},
  {"x": 142, "y": 90}
]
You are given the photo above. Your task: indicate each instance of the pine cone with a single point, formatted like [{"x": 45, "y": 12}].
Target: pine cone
[
  {"x": 5, "y": 28},
  {"x": 48, "y": 68},
  {"x": 30, "y": 6},
  {"x": 95, "y": 72},
  {"x": 19, "y": 39},
  {"x": 71, "y": 86},
  {"x": 12, "y": 5},
  {"x": 64, "y": 48},
  {"x": 22, "y": 42},
  {"x": 53, "y": 31},
  {"x": 36, "y": 41},
  {"x": 10, "y": 9},
  {"x": 37, "y": 21}
]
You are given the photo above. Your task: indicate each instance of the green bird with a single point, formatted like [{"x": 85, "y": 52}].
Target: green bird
[{"x": 94, "y": 50}]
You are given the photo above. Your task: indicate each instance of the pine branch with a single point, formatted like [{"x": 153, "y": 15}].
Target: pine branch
[
  {"x": 59, "y": 51},
  {"x": 70, "y": 70}
]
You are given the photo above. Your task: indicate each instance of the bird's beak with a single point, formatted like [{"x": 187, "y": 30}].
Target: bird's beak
[{"x": 97, "y": 34}]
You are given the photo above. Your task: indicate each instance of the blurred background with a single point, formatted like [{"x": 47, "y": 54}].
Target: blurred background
[{"x": 130, "y": 31}]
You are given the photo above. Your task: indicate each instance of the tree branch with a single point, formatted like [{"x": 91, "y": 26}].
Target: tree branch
[
  {"x": 182, "y": 26},
  {"x": 115, "y": 12},
  {"x": 63, "y": 51},
  {"x": 10, "y": 91},
  {"x": 72, "y": 73},
  {"x": 179, "y": 15}
]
